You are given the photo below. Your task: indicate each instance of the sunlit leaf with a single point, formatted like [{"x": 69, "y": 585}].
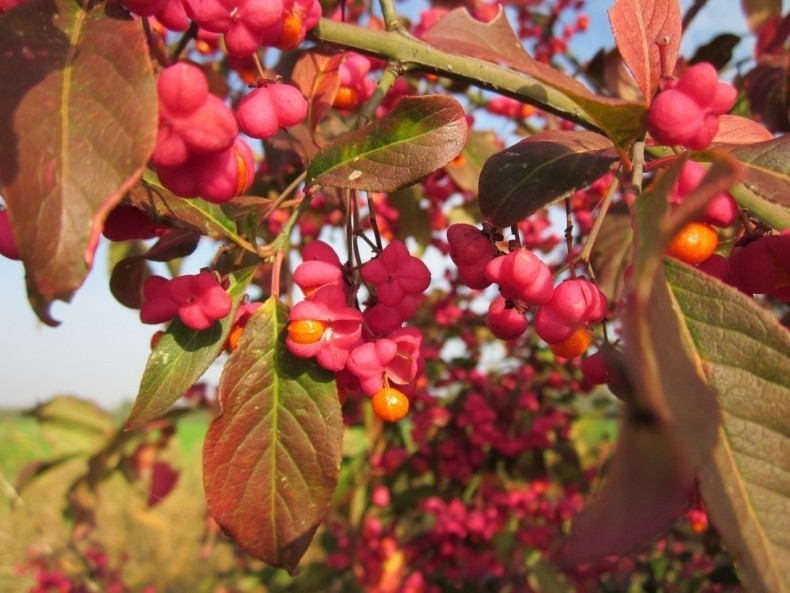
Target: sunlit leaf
[
  {"x": 412, "y": 219},
  {"x": 767, "y": 166},
  {"x": 181, "y": 357},
  {"x": 318, "y": 78},
  {"x": 459, "y": 33},
  {"x": 79, "y": 122},
  {"x": 746, "y": 484},
  {"x": 420, "y": 135},
  {"x": 611, "y": 252},
  {"x": 647, "y": 33},
  {"x": 540, "y": 170},
  {"x": 734, "y": 129},
  {"x": 465, "y": 169},
  {"x": 271, "y": 460}
]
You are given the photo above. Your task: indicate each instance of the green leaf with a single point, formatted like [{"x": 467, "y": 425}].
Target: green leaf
[
  {"x": 539, "y": 170},
  {"x": 412, "y": 220},
  {"x": 194, "y": 214},
  {"x": 79, "y": 122},
  {"x": 767, "y": 176},
  {"x": 420, "y": 135},
  {"x": 465, "y": 170},
  {"x": 181, "y": 357},
  {"x": 774, "y": 215},
  {"x": 271, "y": 460},
  {"x": 746, "y": 483}
]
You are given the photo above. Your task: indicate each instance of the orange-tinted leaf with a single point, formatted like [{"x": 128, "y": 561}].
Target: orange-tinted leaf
[
  {"x": 734, "y": 129},
  {"x": 648, "y": 35},
  {"x": 79, "y": 122},
  {"x": 540, "y": 170},
  {"x": 317, "y": 77},
  {"x": 271, "y": 459}
]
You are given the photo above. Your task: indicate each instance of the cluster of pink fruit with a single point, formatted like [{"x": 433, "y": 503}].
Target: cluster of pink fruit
[
  {"x": 370, "y": 351},
  {"x": 197, "y": 299},
  {"x": 563, "y": 312},
  {"x": 246, "y": 25},
  {"x": 198, "y": 151}
]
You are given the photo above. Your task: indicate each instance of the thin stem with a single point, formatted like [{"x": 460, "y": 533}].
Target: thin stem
[
  {"x": 388, "y": 78},
  {"x": 259, "y": 66},
  {"x": 569, "y": 236},
  {"x": 277, "y": 269},
  {"x": 584, "y": 256},
  {"x": 373, "y": 222},
  {"x": 188, "y": 36},
  {"x": 288, "y": 190},
  {"x": 692, "y": 12}
]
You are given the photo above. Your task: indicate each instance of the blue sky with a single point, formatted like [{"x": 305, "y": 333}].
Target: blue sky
[{"x": 100, "y": 349}]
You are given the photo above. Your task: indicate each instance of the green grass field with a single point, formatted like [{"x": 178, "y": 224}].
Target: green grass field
[{"x": 164, "y": 544}]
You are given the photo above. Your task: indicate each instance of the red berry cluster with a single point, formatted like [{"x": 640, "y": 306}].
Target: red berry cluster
[
  {"x": 246, "y": 25},
  {"x": 563, "y": 313},
  {"x": 197, "y": 299},
  {"x": 369, "y": 350}
]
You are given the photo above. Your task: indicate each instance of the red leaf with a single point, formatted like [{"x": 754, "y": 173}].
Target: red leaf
[
  {"x": 648, "y": 34},
  {"x": 734, "y": 129},
  {"x": 317, "y": 77},
  {"x": 271, "y": 459},
  {"x": 163, "y": 479},
  {"x": 79, "y": 122}
]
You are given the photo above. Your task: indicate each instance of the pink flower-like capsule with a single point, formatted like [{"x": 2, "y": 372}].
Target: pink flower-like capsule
[
  {"x": 271, "y": 107},
  {"x": 320, "y": 267},
  {"x": 174, "y": 16},
  {"x": 249, "y": 20},
  {"x": 721, "y": 211},
  {"x": 191, "y": 120},
  {"x": 505, "y": 322},
  {"x": 687, "y": 113},
  {"x": 299, "y": 16},
  {"x": 8, "y": 244},
  {"x": 158, "y": 306},
  {"x": 216, "y": 177},
  {"x": 393, "y": 360},
  {"x": 211, "y": 15},
  {"x": 342, "y": 328},
  {"x": 471, "y": 251},
  {"x": 396, "y": 273},
  {"x": 521, "y": 275},
  {"x": 382, "y": 320},
  {"x": 200, "y": 298},
  {"x": 574, "y": 304}
]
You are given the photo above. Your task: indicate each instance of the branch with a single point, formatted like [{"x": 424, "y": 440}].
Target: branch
[{"x": 415, "y": 55}]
